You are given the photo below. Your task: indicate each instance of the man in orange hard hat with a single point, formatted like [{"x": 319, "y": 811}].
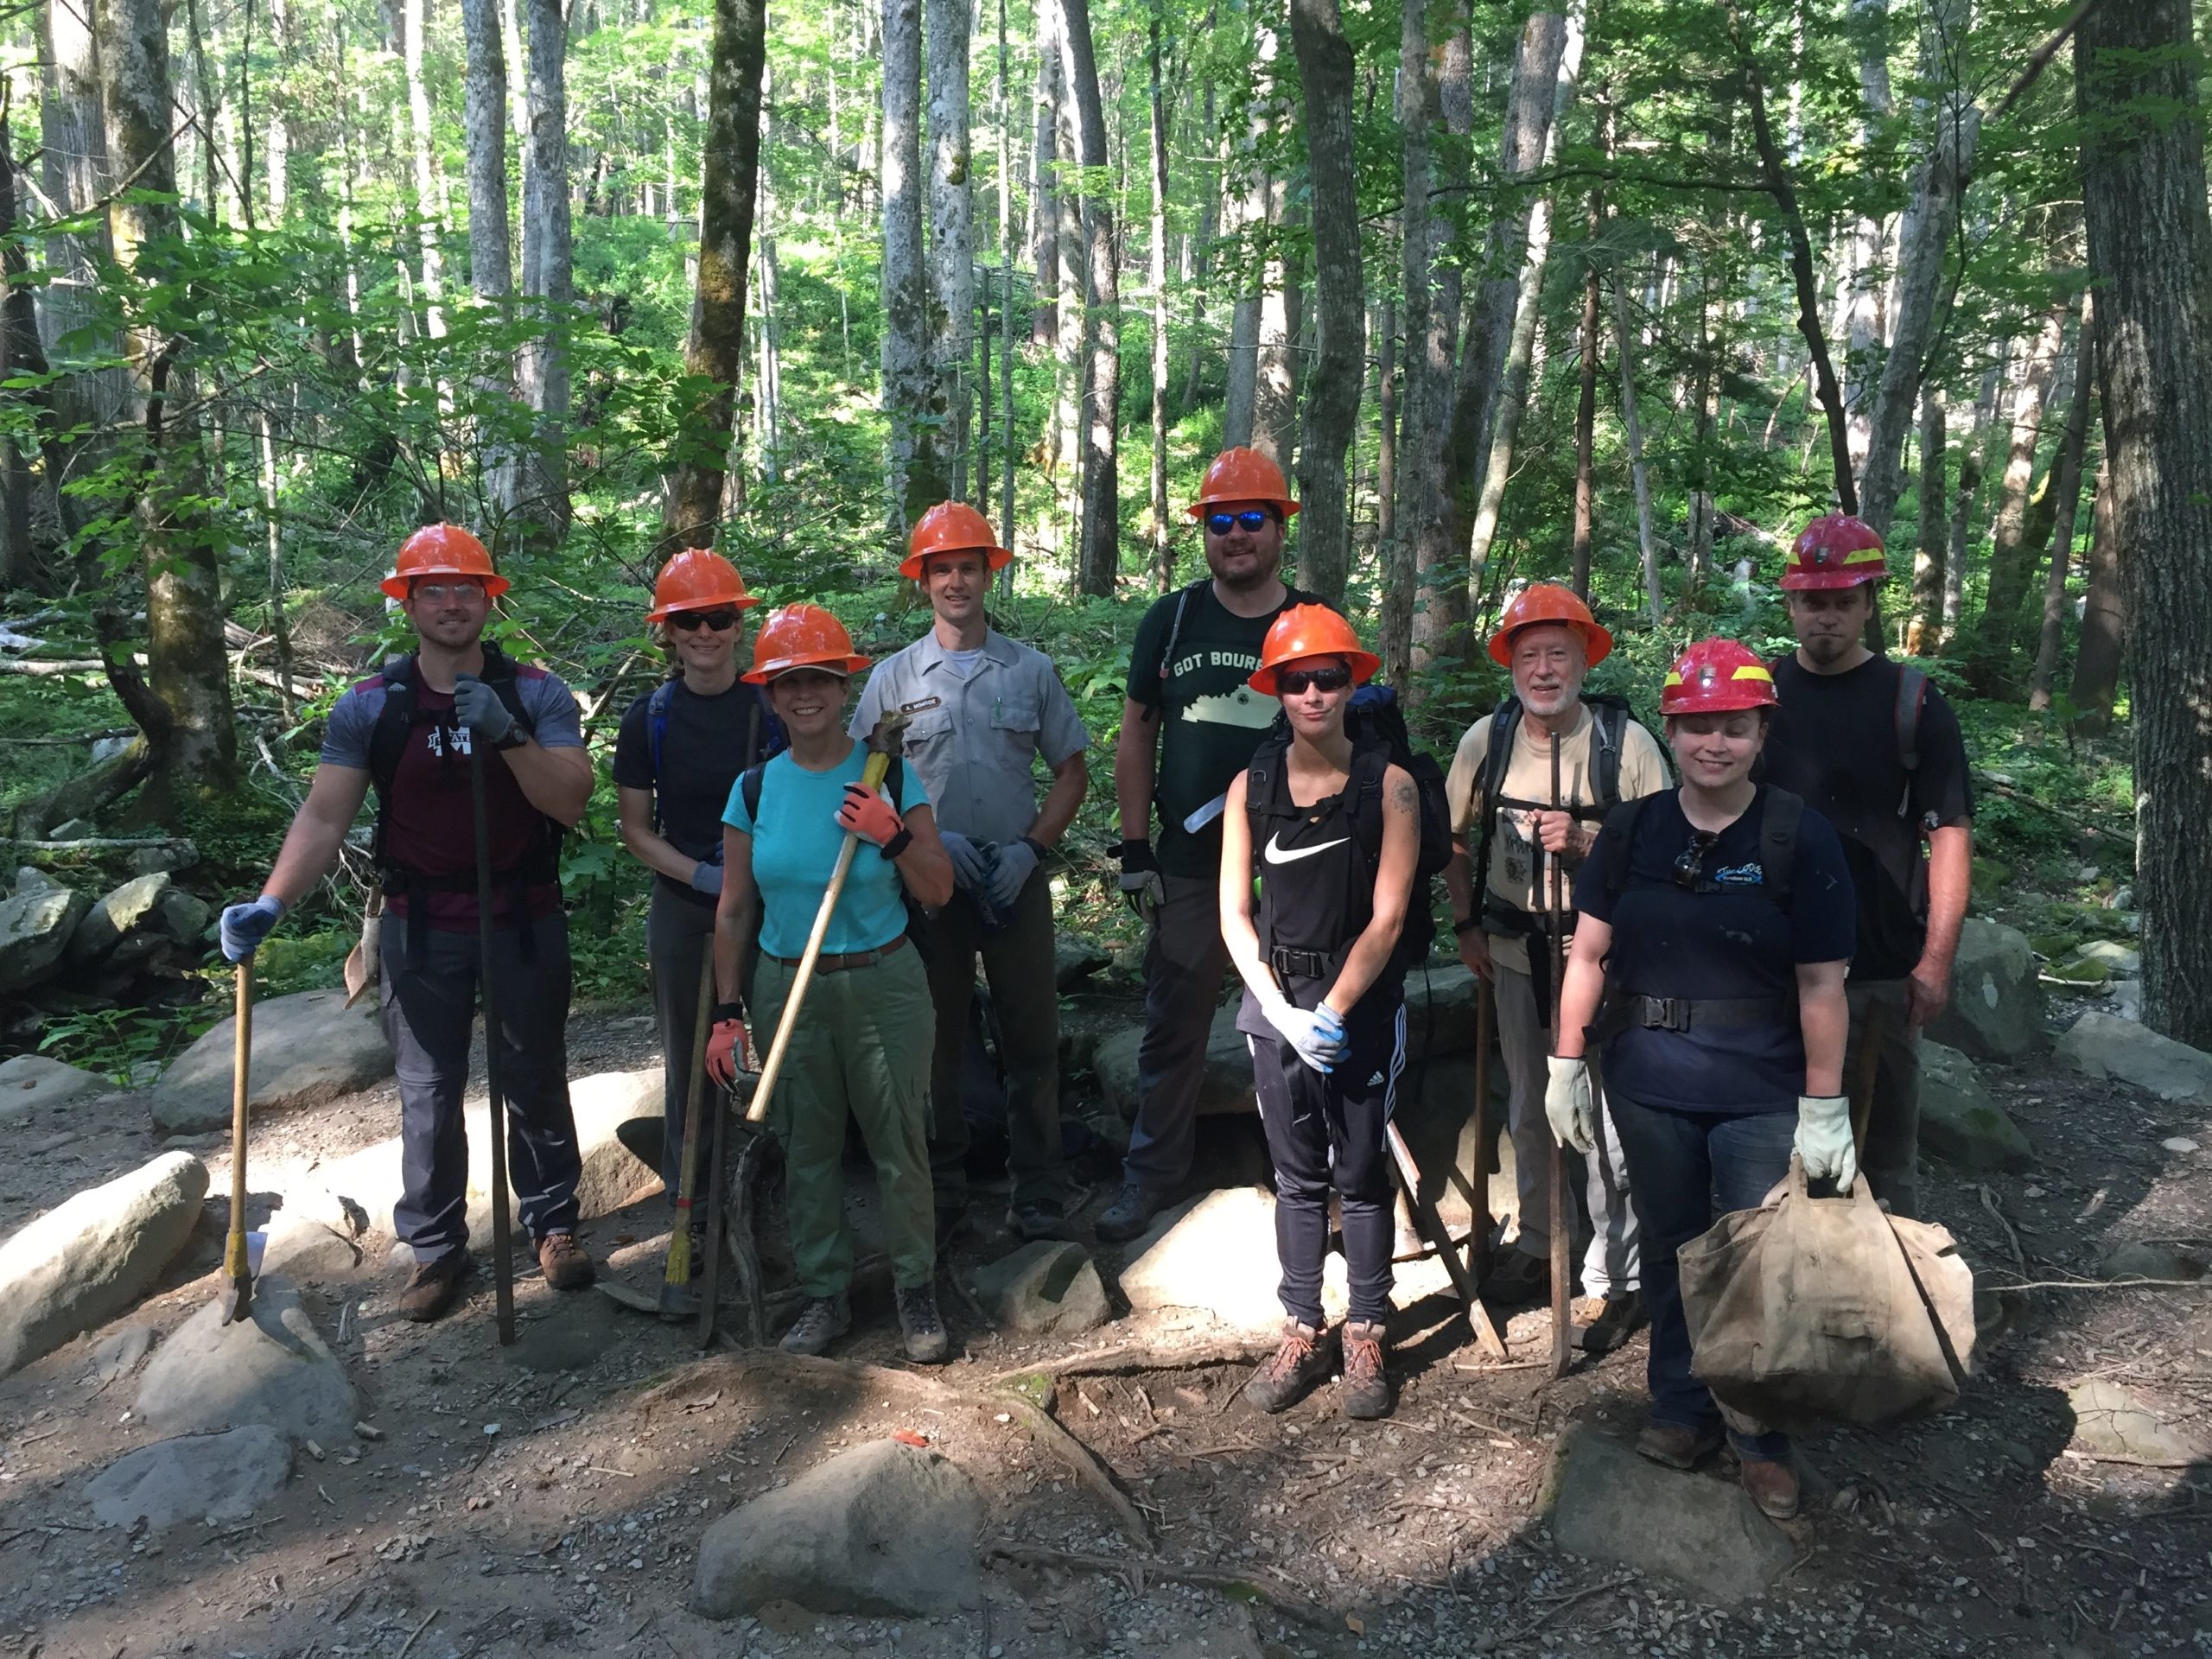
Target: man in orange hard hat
[
  {"x": 1189, "y": 726},
  {"x": 414, "y": 731},
  {"x": 1500, "y": 790},
  {"x": 983, "y": 711},
  {"x": 1875, "y": 747}
]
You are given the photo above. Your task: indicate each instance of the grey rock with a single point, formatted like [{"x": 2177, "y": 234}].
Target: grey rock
[
  {"x": 31, "y": 879},
  {"x": 2119, "y": 961},
  {"x": 1959, "y": 1121},
  {"x": 1215, "y": 1255},
  {"x": 1609, "y": 1503},
  {"x": 35, "y": 930},
  {"x": 116, "y": 916},
  {"x": 1075, "y": 958},
  {"x": 217, "y": 1478},
  {"x": 30, "y": 1082},
  {"x": 308, "y": 1048},
  {"x": 2125, "y": 997},
  {"x": 305, "y": 1249},
  {"x": 2109, "y": 1420},
  {"x": 183, "y": 917},
  {"x": 1048, "y": 1286},
  {"x": 1226, "y": 1085},
  {"x": 883, "y": 1530},
  {"x": 87, "y": 1260},
  {"x": 71, "y": 830},
  {"x": 1439, "y": 1010},
  {"x": 176, "y": 854},
  {"x": 119, "y": 1353},
  {"x": 2105, "y": 1045},
  {"x": 1996, "y": 1007},
  {"x": 2151, "y": 1259},
  {"x": 271, "y": 1368}
]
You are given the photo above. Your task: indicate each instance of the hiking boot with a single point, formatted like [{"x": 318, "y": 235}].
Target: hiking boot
[
  {"x": 1130, "y": 1213},
  {"x": 564, "y": 1264},
  {"x": 433, "y": 1287},
  {"x": 1676, "y": 1446},
  {"x": 1367, "y": 1379},
  {"x": 923, "y": 1327},
  {"x": 1306, "y": 1357},
  {"x": 1519, "y": 1278},
  {"x": 822, "y": 1321},
  {"x": 1031, "y": 1222},
  {"x": 1617, "y": 1318},
  {"x": 1773, "y": 1486}
]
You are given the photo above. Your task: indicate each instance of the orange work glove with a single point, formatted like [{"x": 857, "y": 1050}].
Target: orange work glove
[
  {"x": 871, "y": 818},
  {"x": 726, "y": 1046}
]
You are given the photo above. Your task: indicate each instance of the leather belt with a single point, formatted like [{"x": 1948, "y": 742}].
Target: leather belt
[{"x": 837, "y": 962}]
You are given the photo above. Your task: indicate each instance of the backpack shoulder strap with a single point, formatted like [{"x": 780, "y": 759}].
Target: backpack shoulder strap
[
  {"x": 1370, "y": 765},
  {"x": 1778, "y": 826},
  {"x": 1497, "y": 758},
  {"x": 388, "y": 739},
  {"x": 657, "y": 722},
  {"x": 1264, "y": 784},
  {"x": 1175, "y": 629},
  {"x": 1912, "y": 697},
  {"x": 1614, "y": 836},
  {"x": 1608, "y": 731},
  {"x": 749, "y": 783}
]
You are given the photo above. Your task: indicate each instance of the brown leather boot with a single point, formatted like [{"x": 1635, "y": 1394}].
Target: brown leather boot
[
  {"x": 433, "y": 1287},
  {"x": 564, "y": 1264},
  {"x": 1773, "y": 1486},
  {"x": 1676, "y": 1446},
  {"x": 1305, "y": 1357},
  {"x": 1367, "y": 1376}
]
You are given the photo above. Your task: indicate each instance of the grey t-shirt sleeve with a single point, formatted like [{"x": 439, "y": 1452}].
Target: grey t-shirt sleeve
[
  {"x": 1060, "y": 732},
  {"x": 555, "y": 720},
  {"x": 352, "y": 720},
  {"x": 869, "y": 708}
]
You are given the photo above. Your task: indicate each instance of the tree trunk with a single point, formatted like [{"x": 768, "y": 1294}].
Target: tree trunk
[
  {"x": 1099, "y": 558},
  {"x": 1952, "y": 124},
  {"x": 1325, "y": 68},
  {"x": 1163, "y": 548},
  {"x": 1862, "y": 319},
  {"x": 1990, "y": 662},
  {"x": 21, "y": 354},
  {"x": 1240, "y": 421},
  {"x": 2151, "y": 252},
  {"x": 1384, "y": 333},
  {"x": 1926, "y": 627},
  {"x": 2052, "y": 635},
  {"x": 1418, "y": 515},
  {"x": 491, "y": 270},
  {"x": 282, "y": 98},
  {"x": 1585, "y": 408},
  {"x": 1970, "y": 469},
  {"x": 951, "y": 264},
  {"x": 2104, "y": 619},
  {"x": 1655, "y": 601},
  {"x": 73, "y": 170},
  {"x": 1007, "y": 448},
  {"x": 768, "y": 427},
  {"x": 1699, "y": 568},
  {"x": 1043, "y": 198},
  {"x": 1201, "y": 245},
  {"x": 548, "y": 276},
  {"x": 713, "y": 360},
  {"x": 427, "y": 229}
]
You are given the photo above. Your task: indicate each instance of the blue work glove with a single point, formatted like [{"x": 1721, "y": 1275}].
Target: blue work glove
[
  {"x": 1017, "y": 862},
  {"x": 477, "y": 707},
  {"x": 244, "y": 926},
  {"x": 970, "y": 864},
  {"x": 706, "y": 878},
  {"x": 1317, "y": 1034}
]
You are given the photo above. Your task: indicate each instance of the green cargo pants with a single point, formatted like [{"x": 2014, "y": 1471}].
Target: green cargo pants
[{"x": 861, "y": 1047}]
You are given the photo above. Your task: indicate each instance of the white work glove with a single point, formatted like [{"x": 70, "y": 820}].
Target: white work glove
[
  {"x": 1017, "y": 862},
  {"x": 1824, "y": 1143},
  {"x": 1142, "y": 883},
  {"x": 1317, "y": 1034},
  {"x": 971, "y": 866},
  {"x": 1569, "y": 1106}
]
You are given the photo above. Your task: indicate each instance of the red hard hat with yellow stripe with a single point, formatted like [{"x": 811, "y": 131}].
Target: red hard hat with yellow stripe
[
  {"x": 1836, "y": 551},
  {"x": 1717, "y": 676}
]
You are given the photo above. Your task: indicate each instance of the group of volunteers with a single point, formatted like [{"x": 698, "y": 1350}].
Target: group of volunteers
[{"x": 1734, "y": 945}]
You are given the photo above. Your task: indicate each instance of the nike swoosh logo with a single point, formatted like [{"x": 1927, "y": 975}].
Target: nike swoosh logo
[{"x": 1276, "y": 853}]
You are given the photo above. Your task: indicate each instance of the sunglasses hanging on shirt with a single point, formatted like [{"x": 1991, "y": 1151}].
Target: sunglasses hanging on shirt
[
  {"x": 1252, "y": 519},
  {"x": 689, "y": 621},
  {"x": 1689, "y": 868}
]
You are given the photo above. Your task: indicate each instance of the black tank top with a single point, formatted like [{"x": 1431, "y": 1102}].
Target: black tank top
[{"x": 1315, "y": 869}]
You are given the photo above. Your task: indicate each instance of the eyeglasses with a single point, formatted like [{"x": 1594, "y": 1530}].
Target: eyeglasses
[
  {"x": 442, "y": 592},
  {"x": 1252, "y": 519},
  {"x": 1689, "y": 868},
  {"x": 1295, "y": 682},
  {"x": 689, "y": 621}
]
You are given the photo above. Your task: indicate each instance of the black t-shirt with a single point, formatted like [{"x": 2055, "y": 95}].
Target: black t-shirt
[
  {"x": 1211, "y": 720},
  {"x": 708, "y": 742},
  {"x": 1732, "y": 942},
  {"x": 1835, "y": 742}
]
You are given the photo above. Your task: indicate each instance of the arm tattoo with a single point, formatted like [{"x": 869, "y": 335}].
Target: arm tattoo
[{"x": 1404, "y": 796}]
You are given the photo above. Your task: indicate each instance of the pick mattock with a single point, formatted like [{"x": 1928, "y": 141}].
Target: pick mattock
[
  {"x": 675, "y": 1293},
  {"x": 1562, "y": 1217},
  {"x": 238, "y": 1274},
  {"x": 503, "y": 1247}
]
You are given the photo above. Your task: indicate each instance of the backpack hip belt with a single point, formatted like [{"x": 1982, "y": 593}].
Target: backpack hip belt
[
  {"x": 1302, "y": 964},
  {"x": 1629, "y": 1010}
]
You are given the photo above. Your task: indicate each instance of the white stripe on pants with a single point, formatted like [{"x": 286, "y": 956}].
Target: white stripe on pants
[{"x": 1611, "y": 1261}]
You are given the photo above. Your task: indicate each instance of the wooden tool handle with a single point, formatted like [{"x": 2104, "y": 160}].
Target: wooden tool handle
[{"x": 234, "y": 1253}]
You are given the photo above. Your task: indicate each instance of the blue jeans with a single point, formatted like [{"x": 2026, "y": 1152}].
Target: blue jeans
[{"x": 1685, "y": 1171}]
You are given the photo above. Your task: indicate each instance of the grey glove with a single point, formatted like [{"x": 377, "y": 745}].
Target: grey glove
[
  {"x": 971, "y": 868},
  {"x": 244, "y": 926},
  {"x": 1317, "y": 1034},
  {"x": 479, "y": 707},
  {"x": 1017, "y": 862},
  {"x": 1568, "y": 1106},
  {"x": 707, "y": 878}
]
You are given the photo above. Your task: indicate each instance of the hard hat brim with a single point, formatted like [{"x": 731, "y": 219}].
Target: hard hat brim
[
  {"x": 728, "y": 602},
  {"x": 1807, "y": 581},
  {"x": 1597, "y": 640},
  {"x": 1363, "y": 665},
  {"x": 396, "y": 586},
  {"x": 911, "y": 567},
  {"x": 835, "y": 663}
]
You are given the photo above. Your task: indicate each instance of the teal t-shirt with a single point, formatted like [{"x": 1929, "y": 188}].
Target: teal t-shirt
[{"x": 795, "y": 849}]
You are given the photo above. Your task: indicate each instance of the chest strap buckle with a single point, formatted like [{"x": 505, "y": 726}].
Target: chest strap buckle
[{"x": 1298, "y": 964}]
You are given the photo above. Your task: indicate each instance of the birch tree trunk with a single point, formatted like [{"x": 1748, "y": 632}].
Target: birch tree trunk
[
  {"x": 714, "y": 357},
  {"x": 1163, "y": 548},
  {"x": 21, "y": 354},
  {"x": 1045, "y": 203},
  {"x": 1990, "y": 662},
  {"x": 491, "y": 270},
  {"x": 548, "y": 277},
  {"x": 1926, "y": 627},
  {"x": 951, "y": 264},
  {"x": 1099, "y": 558},
  {"x": 2050, "y": 635},
  {"x": 917, "y": 469},
  {"x": 428, "y": 228},
  {"x": 1862, "y": 327},
  {"x": 1418, "y": 516},
  {"x": 2151, "y": 251},
  {"x": 1325, "y": 68},
  {"x": 768, "y": 331}
]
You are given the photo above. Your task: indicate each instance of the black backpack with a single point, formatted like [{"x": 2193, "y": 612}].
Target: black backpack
[
  {"x": 1611, "y": 717},
  {"x": 1779, "y": 819}
]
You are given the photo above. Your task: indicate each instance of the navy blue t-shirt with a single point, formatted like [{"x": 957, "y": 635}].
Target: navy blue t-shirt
[{"x": 1732, "y": 942}]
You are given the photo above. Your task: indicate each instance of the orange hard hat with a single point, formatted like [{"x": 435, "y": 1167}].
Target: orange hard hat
[
  {"x": 443, "y": 550},
  {"x": 1548, "y": 601},
  {"x": 1836, "y": 551},
  {"x": 1241, "y": 475},
  {"x": 1716, "y": 676},
  {"x": 696, "y": 580},
  {"x": 1311, "y": 630},
  {"x": 952, "y": 527},
  {"x": 803, "y": 636}
]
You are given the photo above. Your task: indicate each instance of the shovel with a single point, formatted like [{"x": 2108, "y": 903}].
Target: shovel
[
  {"x": 503, "y": 1246},
  {"x": 238, "y": 1273},
  {"x": 677, "y": 1300}
]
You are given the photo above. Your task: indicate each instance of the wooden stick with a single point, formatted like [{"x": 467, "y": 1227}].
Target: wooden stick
[{"x": 1562, "y": 1217}]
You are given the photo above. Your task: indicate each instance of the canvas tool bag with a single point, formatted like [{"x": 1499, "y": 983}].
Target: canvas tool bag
[{"x": 1810, "y": 1308}]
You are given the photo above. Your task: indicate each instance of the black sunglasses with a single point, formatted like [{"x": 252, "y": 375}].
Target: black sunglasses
[
  {"x": 1295, "y": 681},
  {"x": 1689, "y": 868},
  {"x": 1252, "y": 519},
  {"x": 688, "y": 621}
]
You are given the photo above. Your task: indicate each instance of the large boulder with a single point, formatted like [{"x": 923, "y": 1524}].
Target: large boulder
[
  {"x": 1960, "y": 1122},
  {"x": 35, "y": 929},
  {"x": 2106, "y": 1046},
  {"x": 1996, "y": 1007},
  {"x": 83, "y": 1263},
  {"x": 216, "y": 1478},
  {"x": 308, "y": 1048},
  {"x": 2110, "y": 1421},
  {"x": 1608, "y": 1503},
  {"x": 30, "y": 1082},
  {"x": 1215, "y": 1255},
  {"x": 1075, "y": 957},
  {"x": 1225, "y": 1087},
  {"x": 884, "y": 1529},
  {"x": 1049, "y": 1286},
  {"x": 272, "y": 1368},
  {"x": 1439, "y": 1010},
  {"x": 114, "y": 917}
]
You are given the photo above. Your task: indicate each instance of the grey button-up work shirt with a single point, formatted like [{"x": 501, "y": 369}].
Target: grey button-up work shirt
[{"x": 975, "y": 741}]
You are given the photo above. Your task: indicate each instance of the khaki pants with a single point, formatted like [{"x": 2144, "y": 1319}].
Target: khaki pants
[
  {"x": 1890, "y": 1153},
  {"x": 861, "y": 1050}
]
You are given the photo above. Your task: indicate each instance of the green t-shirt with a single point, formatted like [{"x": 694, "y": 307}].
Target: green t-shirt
[{"x": 1211, "y": 720}]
